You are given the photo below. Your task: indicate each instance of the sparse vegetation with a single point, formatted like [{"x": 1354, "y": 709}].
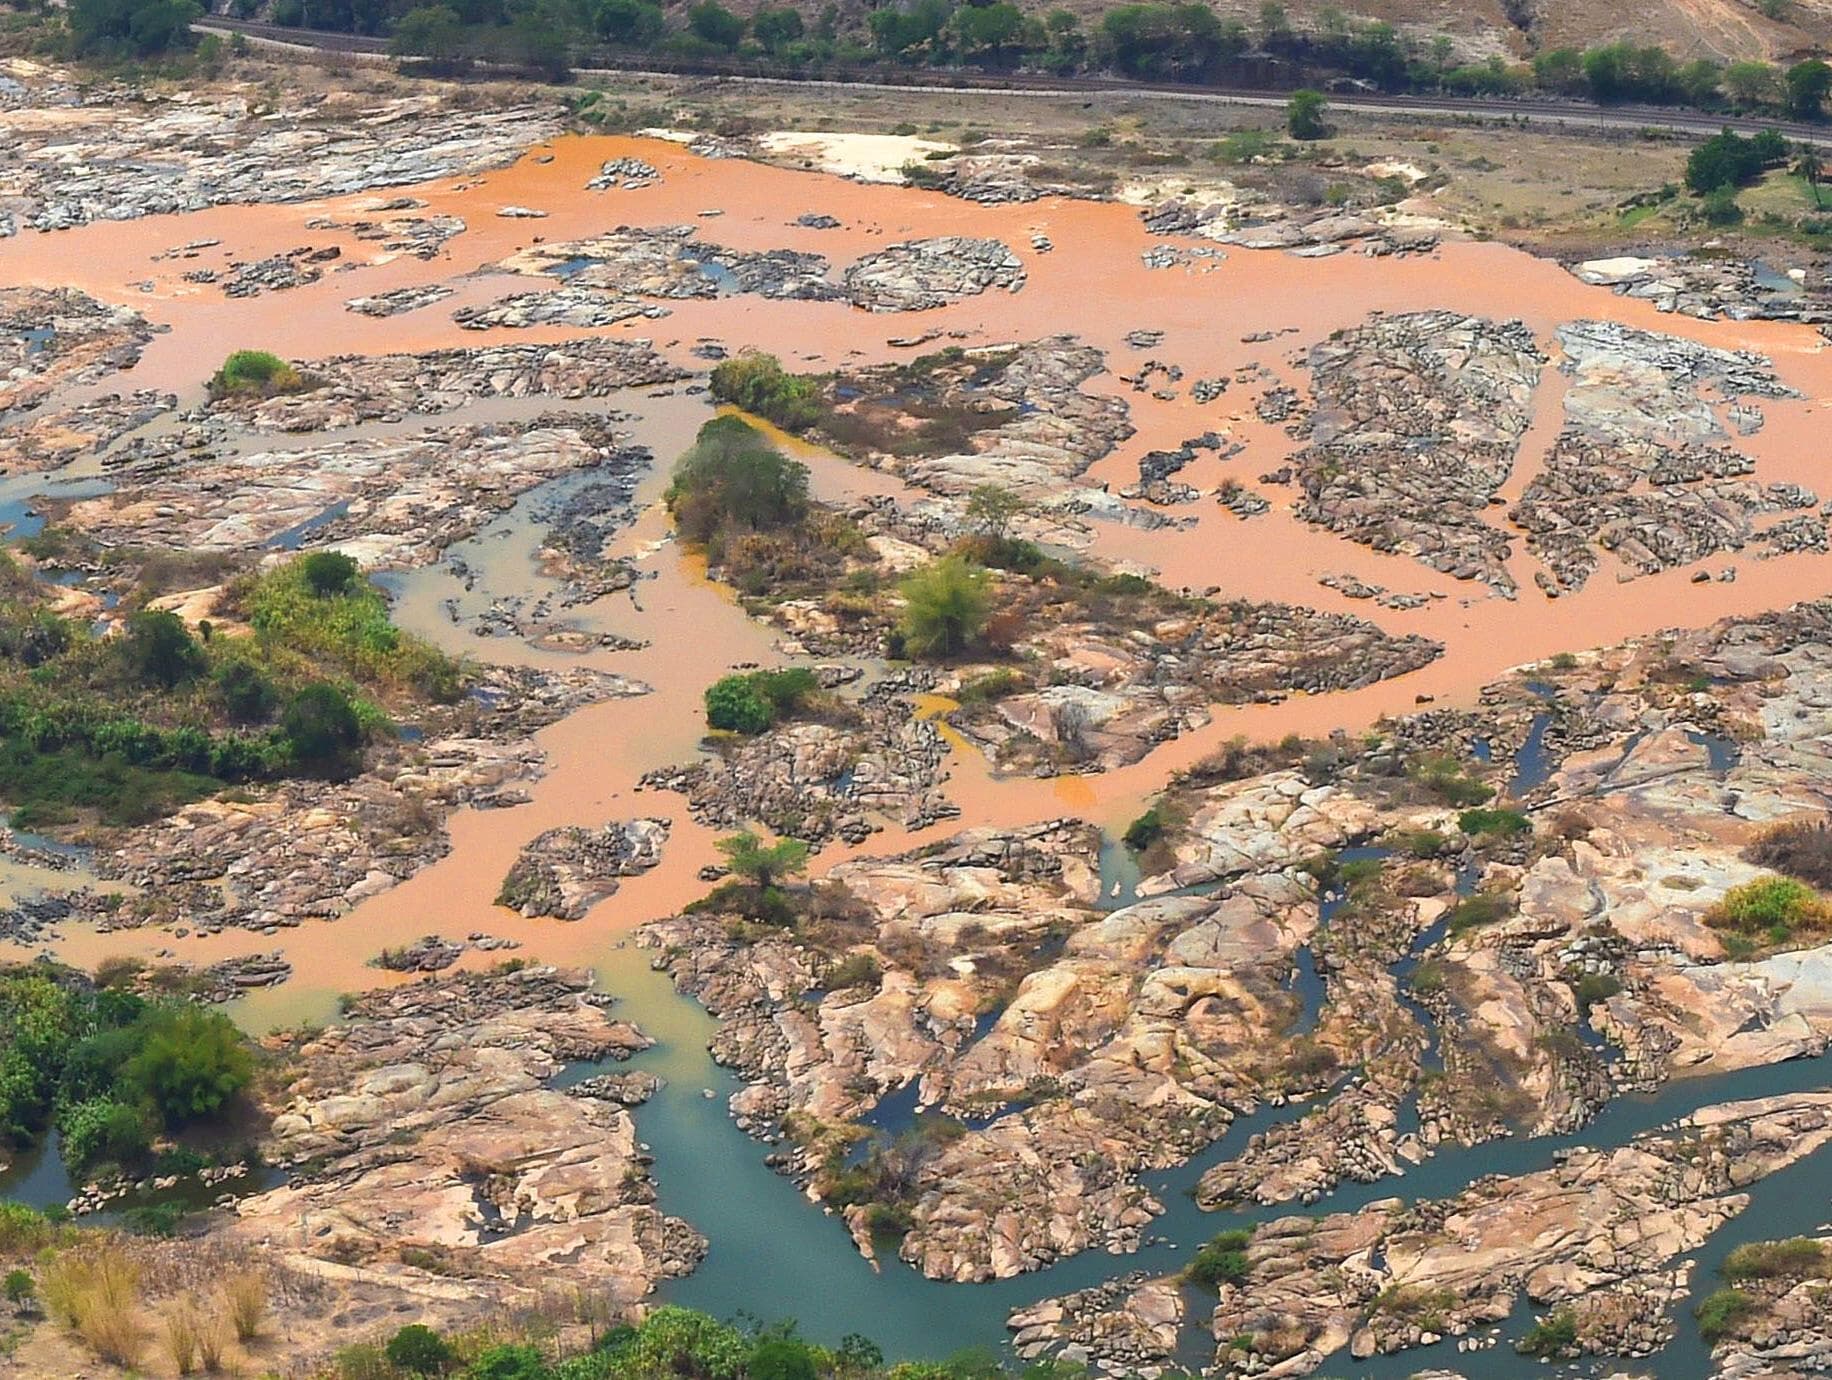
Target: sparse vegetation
[
  {"x": 1722, "y": 1312},
  {"x": 1797, "y": 1257},
  {"x": 1771, "y": 908},
  {"x": 1799, "y": 848},
  {"x": 1555, "y": 1334}
]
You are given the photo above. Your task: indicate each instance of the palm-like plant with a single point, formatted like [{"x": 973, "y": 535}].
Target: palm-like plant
[{"x": 1809, "y": 167}]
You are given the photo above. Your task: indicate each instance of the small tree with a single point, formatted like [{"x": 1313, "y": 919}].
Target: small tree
[
  {"x": 255, "y": 371},
  {"x": 419, "y": 1350},
  {"x": 735, "y": 705},
  {"x": 734, "y": 478},
  {"x": 1304, "y": 115},
  {"x": 992, "y": 508},
  {"x": 717, "y": 25},
  {"x": 946, "y": 608},
  {"x": 190, "y": 1065},
  {"x": 1809, "y": 168},
  {"x": 161, "y": 649},
  {"x": 432, "y": 32},
  {"x": 763, "y": 864},
  {"x": 19, "y": 1288},
  {"x": 321, "y": 727},
  {"x": 329, "y": 573},
  {"x": 1807, "y": 85}
]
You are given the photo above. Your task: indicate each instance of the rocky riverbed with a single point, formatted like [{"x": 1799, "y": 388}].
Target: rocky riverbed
[{"x": 426, "y": 1149}]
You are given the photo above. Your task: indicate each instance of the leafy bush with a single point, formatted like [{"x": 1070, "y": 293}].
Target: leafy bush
[
  {"x": 417, "y": 1348},
  {"x": 1222, "y": 1260},
  {"x": 246, "y": 692},
  {"x": 1723, "y": 1312},
  {"x": 321, "y": 727},
  {"x": 733, "y": 479},
  {"x": 780, "y": 1358},
  {"x": 733, "y": 704},
  {"x": 946, "y": 607},
  {"x": 1480, "y": 822},
  {"x": 103, "y": 1131},
  {"x": 329, "y": 573},
  {"x": 751, "y": 703},
  {"x": 161, "y": 650},
  {"x": 256, "y": 372},
  {"x": 1774, "y": 904},
  {"x": 1304, "y": 115},
  {"x": 190, "y": 1064},
  {"x": 758, "y": 384},
  {"x": 1144, "y": 831},
  {"x": 1553, "y": 1335}
]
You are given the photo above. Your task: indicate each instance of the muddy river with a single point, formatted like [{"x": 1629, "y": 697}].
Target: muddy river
[{"x": 772, "y": 1253}]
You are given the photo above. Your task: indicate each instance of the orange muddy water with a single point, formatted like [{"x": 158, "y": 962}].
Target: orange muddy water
[{"x": 1093, "y": 285}]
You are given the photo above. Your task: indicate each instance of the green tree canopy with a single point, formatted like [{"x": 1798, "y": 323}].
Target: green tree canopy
[
  {"x": 161, "y": 651},
  {"x": 191, "y": 1063},
  {"x": 1304, "y": 115},
  {"x": 733, "y": 477},
  {"x": 763, "y": 864}
]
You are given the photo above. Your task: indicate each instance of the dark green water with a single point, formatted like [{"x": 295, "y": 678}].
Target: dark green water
[{"x": 775, "y": 1255}]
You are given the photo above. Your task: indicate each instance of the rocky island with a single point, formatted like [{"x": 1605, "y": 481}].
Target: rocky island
[{"x": 656, "y": 726}]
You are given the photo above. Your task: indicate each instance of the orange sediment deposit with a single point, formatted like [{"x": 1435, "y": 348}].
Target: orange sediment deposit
[{"x": 1093, "y": 285}]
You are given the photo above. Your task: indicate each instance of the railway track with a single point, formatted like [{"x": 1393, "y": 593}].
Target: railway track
[{"x": 1523, "y": 110}]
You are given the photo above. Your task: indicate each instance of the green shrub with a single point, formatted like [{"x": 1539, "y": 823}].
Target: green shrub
[
  {"x": 751, "y": 703},
  {"x": 781, "y": 1358},
  {"x": 733, "y": 704},
  {"x": 1144, "y": 831},
  {"x": 161, "y": 651},
  {"x": 103, "y": 1131},
  {"x": 248, "y": 696},
  {"x": 256, "y": 372},
  {"x": 1798, "y": 1257},
  {"x": 1484, "y": 822},
  {"x": 321, "y": 727},
  {"x": 1553, "y": 1335},
  {"x": 1221, "y": 1260},
  {"x": 420, "y": 1350},
  {"x": 733, "y": 478},
  {"x": 330, "y": 573},
  {"x": 1773, "y": 904},
  {"x": 190, "y": 1064},
  {"x": 24, "y": 1230},
  {"x": 18, "y": 1287},
  {"x": 946, "y": 604},
  {"x": 758, "y": 384},
  {"x": 1723, "y": 1312}
]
